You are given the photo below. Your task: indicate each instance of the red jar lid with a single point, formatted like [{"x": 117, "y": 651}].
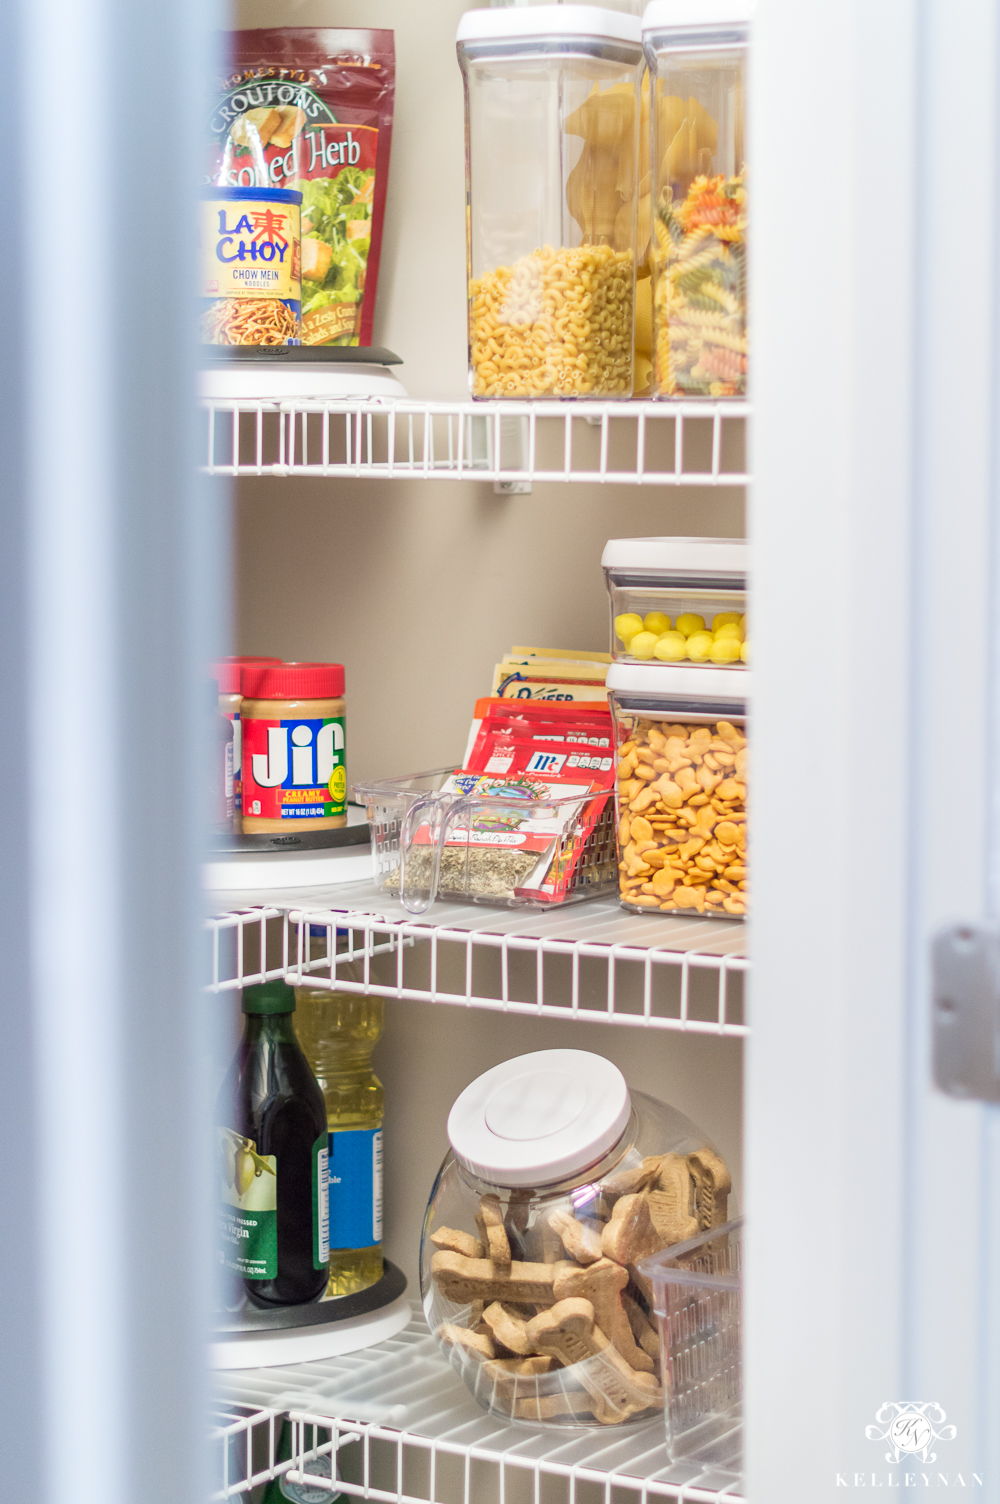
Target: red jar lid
[
  {"x": 227, "y": 676},
  {"x": 294, "y": 681}
]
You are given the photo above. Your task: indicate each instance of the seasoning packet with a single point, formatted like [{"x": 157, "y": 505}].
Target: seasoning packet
[
  {"x": 311, "y": 109},
  {"x": 541, "y": 782}
]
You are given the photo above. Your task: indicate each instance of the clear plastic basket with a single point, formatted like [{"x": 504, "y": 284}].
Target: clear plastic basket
[
  {"x": 698, "y": 1299},
  {"x": 426, "y": 844}
]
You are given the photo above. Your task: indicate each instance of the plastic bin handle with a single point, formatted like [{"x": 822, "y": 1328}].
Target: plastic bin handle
[{"x": 432, "y": 810}]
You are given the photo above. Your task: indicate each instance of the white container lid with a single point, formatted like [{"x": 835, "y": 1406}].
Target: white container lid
[
  {"x": 508, "y": 21},
  {"x": 539, "y": 1118},
  {"x": 677, "y": 555},
  {"x": 680, "y": 682},
  {"x": 662, "y": 15}
]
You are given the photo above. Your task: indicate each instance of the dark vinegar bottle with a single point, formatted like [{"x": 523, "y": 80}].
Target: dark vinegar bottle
[{"x": 272, "y": 1131}]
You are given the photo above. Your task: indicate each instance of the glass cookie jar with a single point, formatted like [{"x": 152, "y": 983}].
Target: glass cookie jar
[{"x": 559, "y": 1182}]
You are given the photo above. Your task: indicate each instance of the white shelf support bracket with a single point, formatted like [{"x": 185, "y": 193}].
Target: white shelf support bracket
[{"x": 965, "y": 973}]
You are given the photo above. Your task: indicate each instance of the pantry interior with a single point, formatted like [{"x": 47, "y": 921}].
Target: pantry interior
[{"x": 860, "y": 497}]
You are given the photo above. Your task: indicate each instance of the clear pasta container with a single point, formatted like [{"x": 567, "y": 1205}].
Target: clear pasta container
[
  {"x": 432, "y": 840},
  {"x": 559, "y": 1182},
  {"x": 678, "y": 600},
  {"x": 681, "y": 789},
  {"x": 552, "y": 120},
  {"x": 698, "y": 1301},
  {"x": 697, "y": 56}
]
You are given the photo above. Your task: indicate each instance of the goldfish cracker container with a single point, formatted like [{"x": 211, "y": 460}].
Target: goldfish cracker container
[
  {"x": 551, "y": 119},
  {"x": 560, "y": 1180},
  {"x": 294, "y": 772},
  {"x": 697, "y": 56},
  {"x": 678, "y": 600},
  {"x": 681, "y": 788}
]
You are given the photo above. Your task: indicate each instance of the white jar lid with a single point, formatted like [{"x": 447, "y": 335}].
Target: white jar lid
[
  {"x": 678, "y": 681},
  {"x": 677, "y": 555},
  {"x": 539, "y": 1118},
  {"x": 502, "y": 22},
  {"x": 663, "y": 15}
]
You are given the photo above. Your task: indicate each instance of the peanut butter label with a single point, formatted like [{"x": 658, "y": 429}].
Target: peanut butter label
[{"x": 294, "y": 769}]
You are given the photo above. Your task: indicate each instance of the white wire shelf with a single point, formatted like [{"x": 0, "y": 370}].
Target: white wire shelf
[
  {"x": 244, "y": 1441},
  {"x": 400, "y": 1427},
  {"x": 589, "y": 961},
  {"x": 509, "y": 443}
]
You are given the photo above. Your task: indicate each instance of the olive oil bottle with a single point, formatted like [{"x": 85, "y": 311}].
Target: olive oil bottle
[
  {"x": 338, "y": 1031},
  {"x": 273, "y": 1149}
]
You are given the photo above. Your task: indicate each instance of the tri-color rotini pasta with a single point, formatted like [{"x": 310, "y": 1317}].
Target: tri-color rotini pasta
[{"x": 699, "y": 298}]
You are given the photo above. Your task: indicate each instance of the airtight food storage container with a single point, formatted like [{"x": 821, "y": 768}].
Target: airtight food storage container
[
  {"x": 552, "y": 119},
  {"x": 678, "y": 600},
  {"x": 681, "y": 788},
  {"x": 559, "y": 1182},
  {"x": 697, "y": 56}
]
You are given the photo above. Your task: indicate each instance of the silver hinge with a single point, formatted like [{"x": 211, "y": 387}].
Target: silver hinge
[{"x": 965, "y": 970}]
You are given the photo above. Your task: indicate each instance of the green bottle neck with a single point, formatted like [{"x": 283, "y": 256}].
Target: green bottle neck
[{"x": 269, "y": 1028}]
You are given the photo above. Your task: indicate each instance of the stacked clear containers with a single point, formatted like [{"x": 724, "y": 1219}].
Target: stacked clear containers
[
  {"x": 559, "y": 1183},
  {"x": 678, "y": 600},
  {"x": 697, "y": 56},
  {"x": 552, "y": 120}
]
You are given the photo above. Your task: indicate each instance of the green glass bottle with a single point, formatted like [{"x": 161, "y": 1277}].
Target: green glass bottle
[
  {"x": 273, "y": 1145},
  {"x": 281, "y": 1491},
  {"x": 338, "y": 1031}
]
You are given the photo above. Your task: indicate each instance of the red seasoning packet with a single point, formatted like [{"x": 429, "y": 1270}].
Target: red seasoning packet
[{"x": 311, "y": 109}]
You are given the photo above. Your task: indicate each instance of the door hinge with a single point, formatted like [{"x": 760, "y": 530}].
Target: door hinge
[{"x": 965, "y": 969}]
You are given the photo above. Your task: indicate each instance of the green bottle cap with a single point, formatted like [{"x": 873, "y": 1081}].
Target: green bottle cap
[{"x": 269, "y": 997}]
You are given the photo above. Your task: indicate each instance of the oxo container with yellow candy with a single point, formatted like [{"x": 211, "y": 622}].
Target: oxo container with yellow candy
[
  {"x": 678, "y": 600},
  {"x": 697, "y": 55},
  {"x": 552, "y": 109}
]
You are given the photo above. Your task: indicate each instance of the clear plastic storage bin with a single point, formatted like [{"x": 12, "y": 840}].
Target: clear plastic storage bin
[
  {"x": 697, "y": 56},
  {"x": 678, "y": 600},
  {"x": 559, "y": 1182},
  {"x": 551, "y": 119},
  {"x": 507, "y": 849},
  {"x": 681, "y": 791},
  {"x": 698, "y": 1300}
]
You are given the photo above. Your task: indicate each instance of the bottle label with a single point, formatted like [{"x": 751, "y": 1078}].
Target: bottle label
[
  {"x": 355, "y": 1188},
  {"x": 248, "y": 1211},
  {"x": 294, "y": 769},
  {"x": 321, "y": 1202},
  {"x": 302, "y": 1493}
]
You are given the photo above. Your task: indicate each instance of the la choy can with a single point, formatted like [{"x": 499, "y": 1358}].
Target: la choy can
[{"x": 251, "y": 266}]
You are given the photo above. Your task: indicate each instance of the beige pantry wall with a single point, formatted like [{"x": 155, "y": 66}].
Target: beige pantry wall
[{"x": 419, "y": 586}]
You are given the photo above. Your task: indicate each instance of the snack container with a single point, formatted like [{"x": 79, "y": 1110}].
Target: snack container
[
  {"x": 678, "y": 600},
  {"x": 557, "y": 1178},
  {"x": 698, "y": 1300},
  {"x": 552, "y": 119},
  {"x": 696, "y": 51},
  {"x": 681, "y": 788},
  {"x": 431, "y": 840}
]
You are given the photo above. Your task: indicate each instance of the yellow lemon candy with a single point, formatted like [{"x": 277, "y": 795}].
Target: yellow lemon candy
[
  {"x": 690, "y": 622},
  {"x": 699, "y": 646},
  {"x": 724, "y": 619},
  {"x": 743, "y": 621},
  {"x": 642, "y": 645},
  {"x": 656, "y": 622},
  {"x": 671, "y": 647},
  {"x": 627, "y": 625},
  {"x": 731, "y": 629},
  {"x": 745, "y": 652},
  {"x": 724, "y": 650}
]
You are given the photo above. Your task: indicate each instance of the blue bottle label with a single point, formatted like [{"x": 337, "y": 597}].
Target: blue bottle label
[{"x": 355, "y": 1170}]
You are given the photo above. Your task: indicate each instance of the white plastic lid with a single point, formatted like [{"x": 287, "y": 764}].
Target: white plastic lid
[
  {"x": 677, "y": 555},
  {"x": 539, "y": 1118},
  {"x": 662, "y": 15},
  {"x": 505, "y": 21},
  {"x": 672, "y": 681}
]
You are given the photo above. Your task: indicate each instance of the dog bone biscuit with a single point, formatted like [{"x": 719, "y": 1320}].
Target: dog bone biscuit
[
  {"x": 465, "y": 1280},
  {"x": 509, "y": 1377},
  {"x": 459, "y": 1242},
  {"x": 567, "y": 1332},
  {"x": 548, "y": 1406},
  {"x": 581, "y": 1242},
  {"x": 713, "y": 1183},
  {"x": 489, "y": 1220},
  {"x": 631, "y": 1233},
  {"x": 628, "y": 1182},
  {"x": 508, "y": 1327},
  {"x": 478, "y": 1345},
  {"x": 645, "y": 1333},
  {"x": 671, "y": 1204},
  {"x": 602, "y": 1284}
]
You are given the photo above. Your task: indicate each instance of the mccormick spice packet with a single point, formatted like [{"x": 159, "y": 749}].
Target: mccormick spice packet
[
  {"x": 549, "y": 777},
  {"x": 311, "y": 109}
]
